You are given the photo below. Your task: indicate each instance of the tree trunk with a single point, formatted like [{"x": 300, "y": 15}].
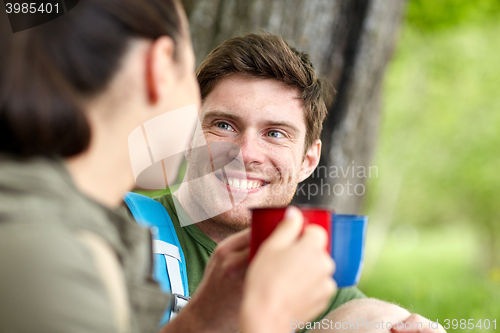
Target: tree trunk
[{"x": 350, "y": 43}]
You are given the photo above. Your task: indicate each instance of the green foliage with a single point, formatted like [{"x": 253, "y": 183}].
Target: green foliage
[
  {"x": 437, "y": 277},
  {"x": 440, "y": 132},
  {"x": 153, "y": 194},
  {"x": 431, "y": 15},
  {"x": 439, "y": 160}
]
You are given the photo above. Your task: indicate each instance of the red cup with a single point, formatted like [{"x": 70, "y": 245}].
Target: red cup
[{"x": 265, "y": 220}]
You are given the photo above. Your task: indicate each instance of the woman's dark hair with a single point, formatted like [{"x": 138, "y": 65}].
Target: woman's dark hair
[{"x": 47, "y": 71}]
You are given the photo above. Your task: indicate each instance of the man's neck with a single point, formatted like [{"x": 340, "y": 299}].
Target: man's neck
[{"x": 215, "y": 230}]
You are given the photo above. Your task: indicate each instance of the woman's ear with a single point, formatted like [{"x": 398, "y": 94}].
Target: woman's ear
[
  {"x": 311, "y": 160},
  {"x": 160, "y": 74}
]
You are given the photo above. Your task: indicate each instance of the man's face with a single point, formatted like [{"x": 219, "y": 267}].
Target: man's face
[{"x": 265, "y": 118}]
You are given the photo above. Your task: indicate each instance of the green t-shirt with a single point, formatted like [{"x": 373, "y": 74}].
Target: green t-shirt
[{"x": 198, "y": 248}]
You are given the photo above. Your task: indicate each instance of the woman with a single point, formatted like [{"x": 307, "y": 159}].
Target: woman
[{"x": 71, "y": 92}]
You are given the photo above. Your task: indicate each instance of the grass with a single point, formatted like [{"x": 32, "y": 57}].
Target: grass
[{"x": 434, "y": 273}]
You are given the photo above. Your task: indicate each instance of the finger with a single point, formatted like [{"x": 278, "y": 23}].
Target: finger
[
  {"x": 405, "y": 330},
  {"x": 236, "y": 242},
  {"x": 319, "y": 298},
  {"x": 316, "y": 235},
  {"x": 238, "y": 262},
  {"x": 416, "y": 330},
  {"x": 242, "y": 257},
  {"x": 329, "y": 265},
  {"x": 415, "y": 323},
  {"x": 423, "y": 326},
  {"x": 288, "y": 230}
]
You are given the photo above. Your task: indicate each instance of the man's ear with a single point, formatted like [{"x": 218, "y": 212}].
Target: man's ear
[
  {"x": 160, "y": 68},
  {"x": 311, "y": 160}
]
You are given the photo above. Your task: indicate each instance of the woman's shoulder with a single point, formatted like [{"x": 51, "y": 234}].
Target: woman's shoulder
[{"x": 50, "y": 271}]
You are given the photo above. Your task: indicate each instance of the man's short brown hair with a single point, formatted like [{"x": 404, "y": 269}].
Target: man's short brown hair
[{"x": 268, "y": 56}]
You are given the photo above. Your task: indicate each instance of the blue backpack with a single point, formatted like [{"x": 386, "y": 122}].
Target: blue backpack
[{"x": 169, "y": 262}]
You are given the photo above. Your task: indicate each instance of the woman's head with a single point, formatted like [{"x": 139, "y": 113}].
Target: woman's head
[{"x": 50, "y": 74}]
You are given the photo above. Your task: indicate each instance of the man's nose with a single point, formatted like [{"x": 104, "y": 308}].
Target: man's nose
[{"x": 252, "y": 149}]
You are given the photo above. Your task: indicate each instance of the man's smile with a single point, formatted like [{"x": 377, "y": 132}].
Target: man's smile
[{"x": 237, "y": 181}]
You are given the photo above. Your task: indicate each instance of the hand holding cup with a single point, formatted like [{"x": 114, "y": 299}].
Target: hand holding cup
[{"x": 290, "y": 276}]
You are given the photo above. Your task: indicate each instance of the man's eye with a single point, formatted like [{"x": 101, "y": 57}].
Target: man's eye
[
  {"x": 225, "y": 126},
  {"x": 275, "y": 134}
]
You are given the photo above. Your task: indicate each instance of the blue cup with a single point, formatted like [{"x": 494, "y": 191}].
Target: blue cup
[{"x": 348, "y": 248}]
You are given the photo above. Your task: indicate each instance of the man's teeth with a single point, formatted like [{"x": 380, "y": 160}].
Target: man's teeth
[{"x": 243, "y": 184}]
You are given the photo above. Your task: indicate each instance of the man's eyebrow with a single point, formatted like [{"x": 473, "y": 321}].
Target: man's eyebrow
[
  {"x": 283, "y": 124},
  {"x": 220, "y": 114}
]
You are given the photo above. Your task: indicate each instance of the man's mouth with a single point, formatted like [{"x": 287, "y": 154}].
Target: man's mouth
[{"x": 241, "y": 183}]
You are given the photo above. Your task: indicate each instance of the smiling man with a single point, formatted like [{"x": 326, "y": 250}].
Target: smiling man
[
  {"x": 261, "y": 119},
  {"x": 265, "y": 119}
]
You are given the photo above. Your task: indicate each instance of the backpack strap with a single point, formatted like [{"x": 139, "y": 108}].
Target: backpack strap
[{"x": 169, "y": 262}]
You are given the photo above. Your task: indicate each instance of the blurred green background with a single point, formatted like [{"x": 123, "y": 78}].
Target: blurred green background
[{"x": 434, "y": 236}]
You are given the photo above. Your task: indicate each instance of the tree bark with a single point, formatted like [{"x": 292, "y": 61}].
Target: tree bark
[{"x": 350, "y": 43}]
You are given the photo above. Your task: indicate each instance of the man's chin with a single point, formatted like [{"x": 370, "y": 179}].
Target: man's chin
[{"x": 238, "y": 218}]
